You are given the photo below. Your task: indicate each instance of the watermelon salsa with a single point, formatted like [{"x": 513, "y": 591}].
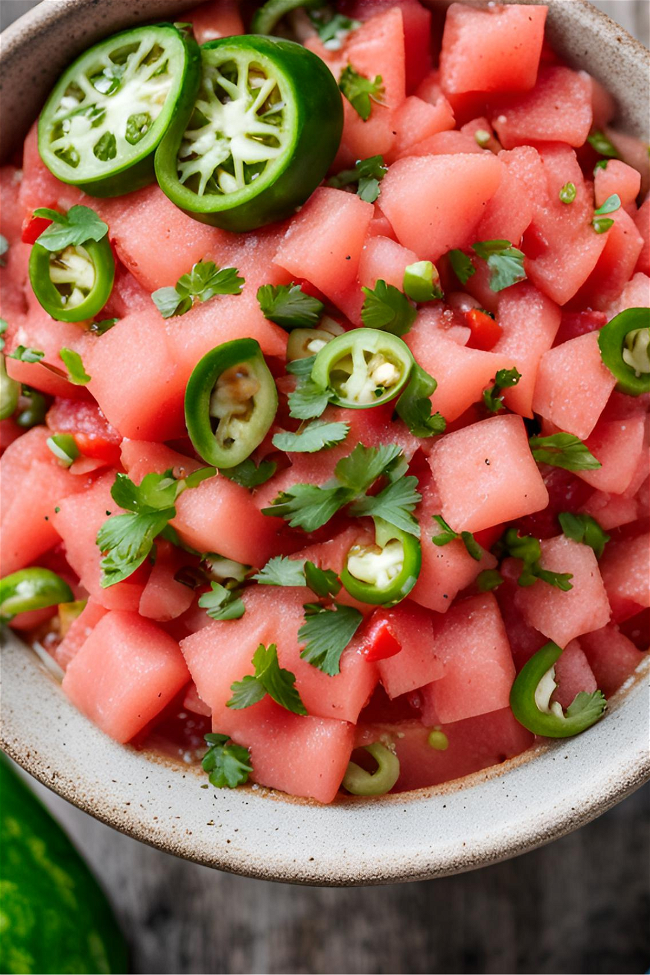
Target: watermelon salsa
[{"x": 325, "y": 387}]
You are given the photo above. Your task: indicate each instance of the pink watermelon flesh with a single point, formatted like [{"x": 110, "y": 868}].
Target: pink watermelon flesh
[
  {"x": 444, "y": 144},
  {"x": 382, "y": 258},
  {"x": 558, "y": 109},
  {"x": 11, "y": 210},
  {"x": 491, "y": 49},
  {"x": 79, "y": 632},
  {"x": 618, "y": 445},
  {"x": 416, "y": 120},
  {"x": 324, "y": 242},
  {"x": 127, "y": 671},
  {"x": 633, "y": 151},
  {"x": 619, "y": 178},
  {"x": 192, "y": 701},
  {"x": 635, "y": 294},
  {"x": 471, "y": 642},
  {"x": 416, "y": 663},
  {"x": 611, "y": 511},
  {"x": 602, "y": 103},
  {"x": 475, "y": 743},
  {"x": 612, "y": 657},
  {"x": 163, "y": 597},
  {"x": 624, "y": 568},
  {"x": 37, "y": 330},
  {"x": 530, "y": 322},
  {"x": 218, "y": 18},
  {"x": 486, "y": 474},
  {"x": 562, "y": 616},
  {"x": 573, "y": 385},
  {"x": 642, "y": 221},
  {"x": 17, "y": 459},
  {"x": 573, "y": 675},
  {"x": 78, "y": 522},
  {"x": 435, "y": 202},
  {"x": 510, "y": 211},
  {"x": 462, "y": 374},
  {"x": 616, "y": 264}
]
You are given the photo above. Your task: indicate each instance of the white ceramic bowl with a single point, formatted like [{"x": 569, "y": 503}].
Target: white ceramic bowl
[{"x": 486, "y": 817}]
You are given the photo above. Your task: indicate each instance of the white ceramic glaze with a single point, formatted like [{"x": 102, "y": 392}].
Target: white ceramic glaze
[{"x": 487, "y": 817}]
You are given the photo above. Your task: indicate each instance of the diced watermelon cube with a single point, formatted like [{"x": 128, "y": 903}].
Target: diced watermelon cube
[
  {"x": 324, "y": 242},
  {"x": 510, "y": 211},
  {"x": 619, "y": 178},
  {"x": 486, "y": 474},
  {"x": 573, "y": 675},
  {"x": 127, "y": 671},
  {"x": 558, "y": 109},
  {"x": 417, "y": 662},
  {"x": 192, "y": 701},
  {"x": 611, "y": 511},
  {"x": 17, "y": 459},
  {"x": 573, "y": 385},
  {"x": 635, "y": 294},
  {"x": 79, "y": 632},
  {"x": 618, "y": 445},
  {"x": 624, "y": 567},
  {"x": 417, "y": 32},
  {"x": 416, "y": 120},
  {"x": 133, "y": 372},
  {"x": 633, "y": 151},
  {"x": 616, "y": 264},
  {"x": 444, "y": 144},
  {"x": 446, "y": 569},
  {"x": 11, "y": 210},
  {"x": 163, "y": 597},
  {"x": 461, "y": 373},
  {"x": 473, "y": 744},
  {"x": 562, "y": 616},
  {"x": 435, "y": 202},
  {"x": 642, "y": 221},
  {"x": 382, "y": 258},
  {"x": 78, "y": 522},
  {"x": 471, "y": 642},
  {"x": 612, "y": 657},
  {"x": 602, "y": 103},
  {"x": 218, "y": 18},
  {"x": 481, "y": 131},
  {"x": 493, "y": 48},
  {"x": 37, "y": 330},
  {"x": 529, "y": 321}
]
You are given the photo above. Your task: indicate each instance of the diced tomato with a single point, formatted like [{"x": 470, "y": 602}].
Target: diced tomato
[
  {"x": 33, "y": 227},
  {"x": 488, "y": 536},
  {"x": 379, "y": 640},
  {"x": 486, "y": 332}
]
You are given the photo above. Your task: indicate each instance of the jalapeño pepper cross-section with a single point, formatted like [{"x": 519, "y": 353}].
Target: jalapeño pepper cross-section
[
  {"x": 386, "y": 572},
  {"x": 75, "y": 283},
  {"x": 625, "y": 350},
  {"x": 363, "y": 368},
  {"x": 111, "y": 107},
  {"x": 230, "y": 403},
  {"x": 264, "y": 131}
]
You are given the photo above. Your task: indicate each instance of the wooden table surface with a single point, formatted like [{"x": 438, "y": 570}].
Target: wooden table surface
[{"x": 578, "y": 905}]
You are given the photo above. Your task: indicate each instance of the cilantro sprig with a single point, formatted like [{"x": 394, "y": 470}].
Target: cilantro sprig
[
  {"x": 227, "y": 764},
  {"x": 528, "y": 549},
  {"x": 504, "y": 379},
  {"x": 367, "y": 175},
  {"x": 308, "y": 400},
  {"x": 387, "y": 308},
  {"x": 326, "y": 633},
  {"x": 332, "y": 28},
  {"x": 414, "y": 405},
  {"x": 222, "y": 603},
  {"x": 506, "y": 263},
  {"x": 269, "y": 678},
  {"x": 585, "y": 529},
  {"x": 248, "y": 474},
  {"x": 79, "y": 225},
  {"x": 284, "y": 571},
  {"x": 563, "y": 450},
  {"x": 288, "y": 306},
  {"x": 74, "y": 372},
  {"x": 203, "y": 282},
  {"x": 447, "y": 534},
  {"x": 360, "y": 91},
  {"x": 318, "y": 435}
]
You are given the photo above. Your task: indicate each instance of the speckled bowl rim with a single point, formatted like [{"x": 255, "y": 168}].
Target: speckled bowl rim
[{"x": 486, "y": 817}]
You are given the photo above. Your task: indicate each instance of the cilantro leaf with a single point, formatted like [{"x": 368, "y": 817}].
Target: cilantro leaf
[
  {"x": 4, "y": 248},
  {"x": 461, "y": 265},
  {"x": 79, "y": 225},
  {"x": 203, "y": 282},
  {"x": 563, "y": 450},
  {"x": 447, "y": 534},
  {"x": 361, "y": 91},
  {"x": 394, "y": 504},
  {"x": 528, "y": 550},
  {"x": 488, "y": 580},
  {"x": 586, "y": 705},
  {"x": 281, "y": 571},
  {"x": 324, "y": 582},
  {"x": 360, "y": 469},
  {"x": 269, "y": 678},
  {"x": 585, "y": 529},
  {"x": 308, "y": 506},
  {"x": 316, "y": 436},
  {"x": 309, "y": 400},
  {"x": 222, "y": 603},
  {"x": 421, "y": 282},
  {"x": 288, "y": 306},
  {"x": 387, "y": 308},
  {"x": 602, "y": 224},
  {"x": 228, "y": 765},
  {"x": 611, "y": 204},
  {"x": 126, "y": 541},
  {"x": 23, "y": 354},
  {"x": 332, "y": 28},
  {"x": 603, "y": 145},
  {"x": 326, "y": 633},
  {"x": 506, "y": 262},
  {"x": 367, "y": 174},
  {"x": 248, "y": 474},
  {"x": 414, "y": 405},
  {"x": 77, "y": 375},
  {"x": 504, "y": 379},
  {"x": 100, "y": 328}
]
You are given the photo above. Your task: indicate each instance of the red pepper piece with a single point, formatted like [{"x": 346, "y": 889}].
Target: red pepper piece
[
  {"x": 487, "y": 536},
  {"x": 98, "y": 448},
  {"x": 485, "y": 331},
  {"x": 380, "y": 641},
  {"x": 33, "y": 227}
]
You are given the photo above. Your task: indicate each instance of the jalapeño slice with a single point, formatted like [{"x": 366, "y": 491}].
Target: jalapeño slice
[
  {"x": 109, "y": 110},
  {"x": 74, "y": 284},
  {"x": 264, "y": 130},
  {"x": 363, "y": 368},
  {"x": 384, "y": 573},
  {"x": 230, "y": 403}
]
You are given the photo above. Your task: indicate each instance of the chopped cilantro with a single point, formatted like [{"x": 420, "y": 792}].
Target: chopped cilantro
[
  {"x": 568, "y": 193},
  {"x": 203, "y": 282},
  {"x": 309, "y": 399},
  {"x": 228, "y": 765},
  {"x": 269, "y": 678},
  {"x": 414, "y": 405},
  {"x": 506, "y": 263},
  {"x": 394, "y": 504},
  {"x": 563, "y": 450},
  {"x": 488, "y": 580},
  {"x": 361, "y": 91},
  {"x": 77, "y": 375},
  {"x": 367, "y": 174},
  {"x": 288, "y": 306},
  {"x": 611, "y": 205},
  {"x": 387, "y": 308},
  {"x": 447, "y": 534},
  {"x": 23, "y": 354},
  {"x": 248, "y": 474},
  {"x": 585, "y": 529},
  {"x": 528, "y": 550},
  {"x": 326, "y": 633},
  {"x": 504, "y": 379},
  {"x": 222, "y": 603},
  {"x": 79, "y": 225},
  {"x": 332, "y": 28},
  {"x": 603, "y": 145},
  {"x": 285, "y": 571},
  {"x": 317, "y": 435},
  {"x": 461, "y": 265}
]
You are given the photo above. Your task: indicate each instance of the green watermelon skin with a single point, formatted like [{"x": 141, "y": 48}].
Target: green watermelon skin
[{"x": 54, "y": 917}]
